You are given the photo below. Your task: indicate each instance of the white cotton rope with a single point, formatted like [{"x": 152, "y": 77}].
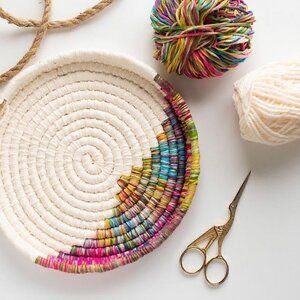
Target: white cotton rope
[
  {"x": 69, "y": 128},
  {"x": 268, "y": 103}
]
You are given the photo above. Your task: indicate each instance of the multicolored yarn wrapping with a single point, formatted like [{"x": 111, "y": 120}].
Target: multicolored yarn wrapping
[
  {"x": 201, "y": 38},
  {"x": 99, "y": 161}
]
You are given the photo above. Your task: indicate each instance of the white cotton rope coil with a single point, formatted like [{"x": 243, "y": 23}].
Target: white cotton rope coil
[
  {"x": 268, "y": 103},
  {"x": 66, "y": 136},
  {"x": 99, "y": 161}
]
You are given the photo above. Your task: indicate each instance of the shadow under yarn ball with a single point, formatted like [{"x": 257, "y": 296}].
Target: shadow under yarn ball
[{"x": 201, "y": 38}]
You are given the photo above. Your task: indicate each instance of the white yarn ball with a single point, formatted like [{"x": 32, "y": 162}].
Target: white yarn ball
[{"x": 268, "y": 103}]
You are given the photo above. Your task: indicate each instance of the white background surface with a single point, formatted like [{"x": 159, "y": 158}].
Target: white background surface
[{"x": 263, "y": 245}]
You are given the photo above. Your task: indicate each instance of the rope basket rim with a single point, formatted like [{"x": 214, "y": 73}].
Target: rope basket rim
[
  {"x": 130, "y": 64},
  {"x": 145, "y": 70}
]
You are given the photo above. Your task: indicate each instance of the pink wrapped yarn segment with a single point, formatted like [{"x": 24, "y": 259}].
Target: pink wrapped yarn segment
[{"x": 201, "y": 38}]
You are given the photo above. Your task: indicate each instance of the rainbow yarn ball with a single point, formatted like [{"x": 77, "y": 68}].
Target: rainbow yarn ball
[{"x": 201, "y": 38}]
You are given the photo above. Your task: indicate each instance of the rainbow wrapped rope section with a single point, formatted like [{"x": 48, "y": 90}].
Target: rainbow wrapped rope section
[
  {"x": 201, "y": 38},
  {"x": 99, "y": 162}
]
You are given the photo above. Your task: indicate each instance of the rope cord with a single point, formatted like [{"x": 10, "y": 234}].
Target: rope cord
[
  {"x": 42, "y": 27},
  {"x": 34, "y": 47},
  {"x": 83, "y": 16}
]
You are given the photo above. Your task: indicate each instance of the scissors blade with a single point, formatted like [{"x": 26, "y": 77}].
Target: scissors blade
[{"x": 238, "y": 196}]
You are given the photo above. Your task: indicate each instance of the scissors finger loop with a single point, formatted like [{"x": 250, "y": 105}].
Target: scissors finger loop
[
  {"x": 189, "y": 250},
  {"x": 218, "y": 259}
]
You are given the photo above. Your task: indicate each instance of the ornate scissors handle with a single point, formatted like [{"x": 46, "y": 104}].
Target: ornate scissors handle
[
  {"x": 210, "y": 236},
  {"x": 215, "y": 233}
]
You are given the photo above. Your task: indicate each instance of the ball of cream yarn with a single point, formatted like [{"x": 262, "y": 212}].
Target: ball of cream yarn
[{"x": 268, "y": 103}]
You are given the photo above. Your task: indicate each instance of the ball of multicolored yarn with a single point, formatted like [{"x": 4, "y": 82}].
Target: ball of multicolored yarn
[{"x": 201, "y": 38}]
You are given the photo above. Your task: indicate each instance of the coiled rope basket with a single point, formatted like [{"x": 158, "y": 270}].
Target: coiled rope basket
[{"x": 99, "y": 161}]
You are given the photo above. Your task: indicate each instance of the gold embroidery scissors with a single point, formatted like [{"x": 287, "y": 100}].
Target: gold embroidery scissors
[{"x": 216, "y": 233}]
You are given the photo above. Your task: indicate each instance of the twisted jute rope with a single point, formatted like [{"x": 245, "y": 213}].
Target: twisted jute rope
[
  {"x": 84, "y": 16},
  {"x": 43, "y": 26},
  {"x": 42, "y": 29}
]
